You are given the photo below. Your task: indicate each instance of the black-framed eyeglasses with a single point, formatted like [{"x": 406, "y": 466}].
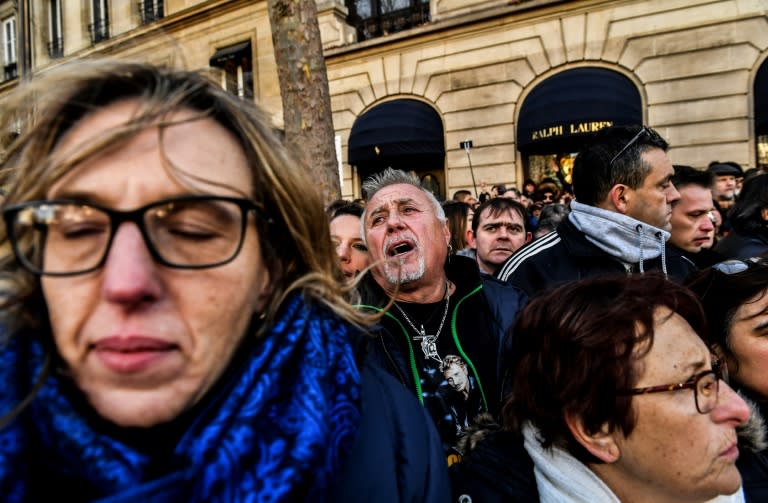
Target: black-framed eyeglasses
[
  {"x": 643, "y": 130},
  {"x": 69, "y": 237},
  {"x": 705, "y": 386}
]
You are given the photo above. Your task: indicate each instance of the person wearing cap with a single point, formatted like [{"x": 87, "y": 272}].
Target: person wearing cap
[{"x": 724, "y": 189}]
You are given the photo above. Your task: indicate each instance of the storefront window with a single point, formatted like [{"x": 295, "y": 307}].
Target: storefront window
[
  {"x": 539, "y": 167},
  {"x": 762, "y": 152},
  {"x": 564, "y": 111}
]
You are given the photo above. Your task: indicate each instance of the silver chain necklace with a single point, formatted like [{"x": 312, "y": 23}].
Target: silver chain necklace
[{"x": 429, "y": 342}]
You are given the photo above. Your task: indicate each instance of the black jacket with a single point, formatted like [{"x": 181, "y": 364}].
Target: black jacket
[
  {"x": 737, "y": 245},
  {"x": 706, "y": 257},
  {"x": 394, "y": 428},
  {"x": 753, "y": 454},
  {"x": 567, "y": 255},
  {"x": 496, "y": 468},
  {"x": 483, "y": 310}
]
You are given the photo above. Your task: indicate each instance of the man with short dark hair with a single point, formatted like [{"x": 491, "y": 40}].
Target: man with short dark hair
[
  {"x": 693, "y": 219},
  {"x": 499, "y": 229},
  {"x": 619, "y": 221}
]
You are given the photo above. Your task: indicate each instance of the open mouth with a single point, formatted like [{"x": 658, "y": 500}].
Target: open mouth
[{"x": 400, "y": 249}]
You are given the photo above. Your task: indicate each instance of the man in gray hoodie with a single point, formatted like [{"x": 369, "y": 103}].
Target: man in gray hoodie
[{"x": 619, "y": 221}]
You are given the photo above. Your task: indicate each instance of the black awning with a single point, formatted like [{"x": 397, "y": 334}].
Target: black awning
[
  {"x": 230, "y": 52},
  {"x": 761, "y": 100},
  {"x": 564, "y": 109},
  {"x": 396, "y": 129}
]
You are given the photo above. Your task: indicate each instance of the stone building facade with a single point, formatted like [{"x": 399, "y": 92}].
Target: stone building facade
[{"x": 414, "y": 82}]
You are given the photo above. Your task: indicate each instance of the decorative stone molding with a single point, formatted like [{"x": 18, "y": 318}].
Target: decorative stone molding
[{"x": 332, "y": 18}]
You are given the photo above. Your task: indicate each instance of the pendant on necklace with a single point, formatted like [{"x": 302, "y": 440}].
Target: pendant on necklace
[{"x": 428, "y": 345}]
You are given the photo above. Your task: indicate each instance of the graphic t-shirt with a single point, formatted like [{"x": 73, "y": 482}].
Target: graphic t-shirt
[{"x": 449, "y": 385}]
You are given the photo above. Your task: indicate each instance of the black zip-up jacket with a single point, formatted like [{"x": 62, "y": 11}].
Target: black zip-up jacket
[
  {"x": 483, "y": 311},
  {"x": 567, "y": 255}
]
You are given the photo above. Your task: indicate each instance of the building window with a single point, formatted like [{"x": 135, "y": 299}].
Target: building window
[
  {"x": 151, "y": 10},
  {"x": 99, "y": 27},
  {"x": 10, "y": 62},
  {"x": 56, "y": 41},
  {"x": 376, "y": 18},
  {"x": 236, "y": 63}
]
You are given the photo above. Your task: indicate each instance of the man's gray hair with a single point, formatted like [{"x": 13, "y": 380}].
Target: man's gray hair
[{"x": 390, "y": 176}]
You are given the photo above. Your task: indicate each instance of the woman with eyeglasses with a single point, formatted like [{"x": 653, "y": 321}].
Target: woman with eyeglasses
[
  {"x": 612, "y": 397},
  {"x": 174, "y": 325},
  {"x": 734, "y": 294}
]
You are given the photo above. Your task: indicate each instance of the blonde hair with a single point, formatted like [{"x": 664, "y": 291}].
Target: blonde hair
[{"x": 294, "y": 237}]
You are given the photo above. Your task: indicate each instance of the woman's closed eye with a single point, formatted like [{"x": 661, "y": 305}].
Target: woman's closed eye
[
  {"x": 192, "y": 233},
  {"x": 79, "y": 230}
]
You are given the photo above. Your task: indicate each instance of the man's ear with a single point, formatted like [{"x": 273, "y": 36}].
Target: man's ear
[
  {"x": 764, "y": 213},
  {"x": 470, "y": 236},
  {"x": 601, "y": 444},
  {"x": 528, "y": 237},
  {"x": 618, "y": 198}
]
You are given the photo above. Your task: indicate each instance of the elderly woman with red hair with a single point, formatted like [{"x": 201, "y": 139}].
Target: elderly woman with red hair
[{"x": 613, "y": 397}]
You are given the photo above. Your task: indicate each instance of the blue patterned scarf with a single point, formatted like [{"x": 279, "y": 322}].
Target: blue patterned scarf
[{"x": 278, "y": 431}]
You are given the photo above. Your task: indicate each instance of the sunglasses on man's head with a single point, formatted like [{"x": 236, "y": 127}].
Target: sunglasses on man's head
[{"x": 644, "y": 130}]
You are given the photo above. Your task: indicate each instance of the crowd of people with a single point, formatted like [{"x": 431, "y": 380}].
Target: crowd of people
[{"x": 173, "y": 332}]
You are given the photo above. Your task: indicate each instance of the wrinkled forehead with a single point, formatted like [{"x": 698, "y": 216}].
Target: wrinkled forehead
[
  {"x": 676, "y": 351},
  {"x": 396, "y": 195}
]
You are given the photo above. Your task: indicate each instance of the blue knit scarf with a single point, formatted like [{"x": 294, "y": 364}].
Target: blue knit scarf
[{"x": 279, "y": 431}]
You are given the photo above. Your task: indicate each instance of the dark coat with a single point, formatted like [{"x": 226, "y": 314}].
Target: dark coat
[
  {"x": 397, "y": 455},
  {"x": 737, "y": 245},
  {"x": 496, "y": 469},
  {"x": 479, "y": 322},
  {"x": 753, "y": 454},
  {"x": 706, "y": 257},
  {"x": 567, "y": 255}
]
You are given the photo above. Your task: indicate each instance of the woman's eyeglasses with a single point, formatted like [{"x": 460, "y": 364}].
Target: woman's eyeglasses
[
  {"x": 67, "y": 237},
  {"x": 705, "y": 386}
]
